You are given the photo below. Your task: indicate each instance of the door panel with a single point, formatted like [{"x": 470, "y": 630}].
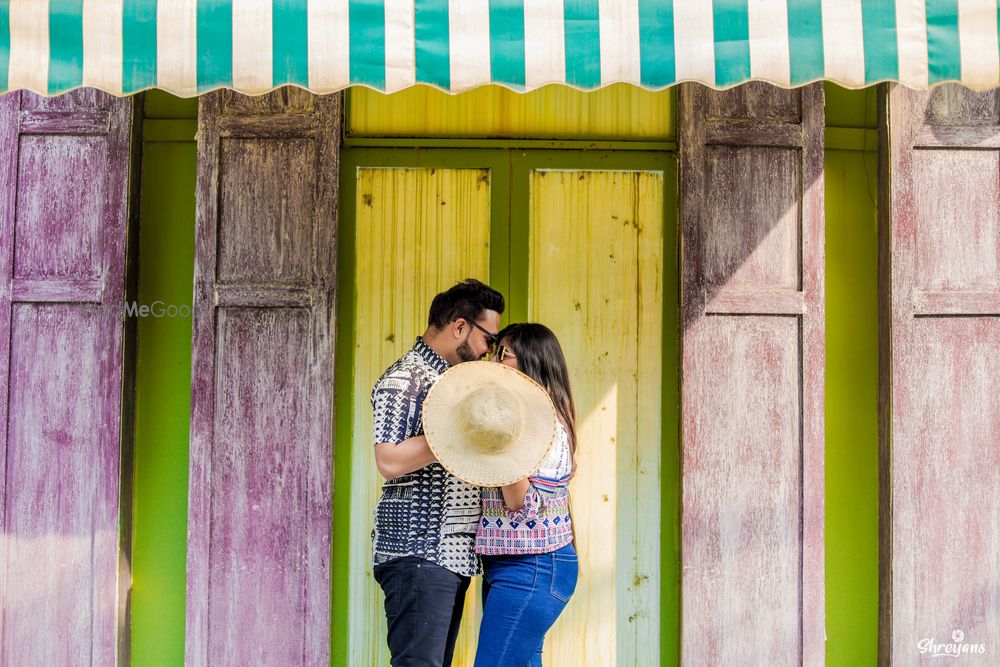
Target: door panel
[
  {"x": 595, "y": 278},
  {"x": 259, "y": 512},
  {"x": 417, "y": 231},
  {"x": 752, "y": 374},
  {"x": 63, "y": 528},
  {"x": 939, "y": 369},
  {"x": 580, "y": 250}
]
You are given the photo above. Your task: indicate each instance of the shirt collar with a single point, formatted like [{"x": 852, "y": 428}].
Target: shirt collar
[{"x": 435, "y": 360}]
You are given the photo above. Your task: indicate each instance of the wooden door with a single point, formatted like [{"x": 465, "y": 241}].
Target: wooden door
[
  {"x": 940, "y": 375},
  {"x": 595, "y": 249},
  {"x": 65, "y": 180},
  {"x": 573, "y": 239},
  {"x": 258, "y": 574},
  {"x": 422, "y": 221},
  {"x": 752, "y": 375}
]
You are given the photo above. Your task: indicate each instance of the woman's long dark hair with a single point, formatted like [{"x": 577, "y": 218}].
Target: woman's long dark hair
[{"x": 540, "y": 357}]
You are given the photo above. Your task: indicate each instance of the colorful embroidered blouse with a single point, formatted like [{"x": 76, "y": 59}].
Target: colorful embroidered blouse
[{"x": 542, "y": 525}]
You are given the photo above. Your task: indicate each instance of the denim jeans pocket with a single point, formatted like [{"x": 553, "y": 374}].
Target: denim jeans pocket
[{"x": 564, "y": 574}]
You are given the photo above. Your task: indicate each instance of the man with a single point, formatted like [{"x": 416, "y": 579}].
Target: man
[{"x": 425, "y": 521}]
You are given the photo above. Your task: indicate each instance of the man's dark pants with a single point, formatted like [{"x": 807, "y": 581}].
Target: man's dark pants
[{"x": 423, "y": 607}]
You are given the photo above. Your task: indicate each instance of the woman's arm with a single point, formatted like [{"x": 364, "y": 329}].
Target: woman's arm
[
  {"x": 513, "y": 494},
  {"x": 521, "y": 500}
]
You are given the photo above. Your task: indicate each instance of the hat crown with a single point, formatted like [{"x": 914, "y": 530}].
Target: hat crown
[{"x": 491, "y": 418}]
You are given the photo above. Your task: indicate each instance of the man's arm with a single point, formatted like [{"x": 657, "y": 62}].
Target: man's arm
[{"x": 400, "y": 458}]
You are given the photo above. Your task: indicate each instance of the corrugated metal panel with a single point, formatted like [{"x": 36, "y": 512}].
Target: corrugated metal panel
[
  {"x": 596, "y": 258},
  {"x": 418, "y": 232},
  {"x": 555, "y": 112}
]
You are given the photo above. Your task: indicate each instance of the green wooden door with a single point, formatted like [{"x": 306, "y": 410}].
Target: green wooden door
[{"x": 578, "y": 240}]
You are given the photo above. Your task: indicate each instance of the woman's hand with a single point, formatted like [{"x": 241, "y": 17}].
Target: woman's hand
[{"x": 513, "y": 494}]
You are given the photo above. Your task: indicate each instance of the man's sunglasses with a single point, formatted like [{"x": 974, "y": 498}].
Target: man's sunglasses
[{"x": 491, "y": 338}]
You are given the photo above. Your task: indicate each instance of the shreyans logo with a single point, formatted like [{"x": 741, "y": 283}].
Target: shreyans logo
[{"x": 956, "y": 648}]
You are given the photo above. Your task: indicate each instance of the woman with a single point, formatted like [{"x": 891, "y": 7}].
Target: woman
[{"x": 526, "y": 535}]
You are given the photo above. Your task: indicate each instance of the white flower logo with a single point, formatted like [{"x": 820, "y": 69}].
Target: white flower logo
[{"x": 957, "y": 636}]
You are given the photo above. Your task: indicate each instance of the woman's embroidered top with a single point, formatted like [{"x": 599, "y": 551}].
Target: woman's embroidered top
[{"x": 542, "y": 524}]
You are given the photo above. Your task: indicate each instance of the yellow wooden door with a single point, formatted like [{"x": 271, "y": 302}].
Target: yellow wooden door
[
  {"x": 595, "y": 278},
  {"x": 417, "y": 232},
  {"x": 585, "y": 258}
]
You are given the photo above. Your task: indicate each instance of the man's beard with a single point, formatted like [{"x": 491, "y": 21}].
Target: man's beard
[{"x": 465, "y": 352}]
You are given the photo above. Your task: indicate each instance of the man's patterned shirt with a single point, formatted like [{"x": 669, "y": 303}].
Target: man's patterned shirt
[{"x": 428, "y": 513}]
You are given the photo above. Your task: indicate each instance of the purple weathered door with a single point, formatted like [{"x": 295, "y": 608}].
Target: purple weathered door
[
  {"x": 64, "y": 179},
  {"x": 752, "y": 386},
  {"x": 258, "y": 573},
  {"x": 940, "y": 376}
]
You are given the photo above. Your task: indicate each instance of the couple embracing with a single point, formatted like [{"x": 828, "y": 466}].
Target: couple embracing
[{"x": 484, "y": 490}]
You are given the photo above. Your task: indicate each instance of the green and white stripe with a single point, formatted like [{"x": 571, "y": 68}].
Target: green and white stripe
[{"x": 191, "y": 46}]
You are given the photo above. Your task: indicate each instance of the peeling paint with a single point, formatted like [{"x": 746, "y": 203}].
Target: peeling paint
[
  {"x": 260, "y": 498},
  {"x": 752, "y": 375},
  {"x": 64, "y": 582}
]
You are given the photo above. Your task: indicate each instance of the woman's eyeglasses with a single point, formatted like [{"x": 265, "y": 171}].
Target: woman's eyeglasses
[{"x": 503, "y": 352}]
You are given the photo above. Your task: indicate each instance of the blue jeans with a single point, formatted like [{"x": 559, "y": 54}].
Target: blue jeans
[{"x": 522, "y": 597}]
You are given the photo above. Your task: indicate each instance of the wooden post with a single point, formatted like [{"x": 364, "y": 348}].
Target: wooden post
[
  {"x": 752, "y": 365},
  {"x": 939, "y": 398},
  {"x": 258, "y": 573},
  {"x": 65, "y": 488}
]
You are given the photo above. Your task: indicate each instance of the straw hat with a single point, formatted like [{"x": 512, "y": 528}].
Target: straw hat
[{"x": 488, "y": 424}]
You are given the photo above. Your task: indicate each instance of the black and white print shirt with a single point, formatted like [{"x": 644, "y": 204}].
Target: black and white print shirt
[{"x": 427, "y": 513}]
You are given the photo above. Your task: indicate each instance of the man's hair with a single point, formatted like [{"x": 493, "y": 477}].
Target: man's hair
[{"x": 467, "y": 300}]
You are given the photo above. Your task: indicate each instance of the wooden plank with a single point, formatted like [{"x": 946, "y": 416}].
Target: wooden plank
[
  {"x": 258, "y": 573},
  {"x": 44, "y": 122},
  {"x": 9, "y": 106},
  {"x": 771, "y": 134},
  {"x": 263, "y": 126},
  {"x": 752, "y": 369},
  {"x": 937, "y": 136},
  {"x": 956, "y": 303},
  {"x": 84, "y": 99},
  {"x": 753, "y": 302},
  {"x": 299, "y": 296},
  {"x": 939, "y": 368},
  {"x": 84, "y": 290},
  {"x": 758, "y": 102},
  {"x": 418, "y": 231},
  {"x": 596, "y": 256},
  {"x": 62, "y": 285}
]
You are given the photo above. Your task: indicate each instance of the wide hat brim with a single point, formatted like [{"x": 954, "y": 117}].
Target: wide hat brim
[{"x": 450, "y": 444}]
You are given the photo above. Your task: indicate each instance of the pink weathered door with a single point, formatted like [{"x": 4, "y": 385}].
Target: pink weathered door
[
  {"x": 752, "y": 365},
  {"x": 258, "y": 573},
  {"x": 940, "y": 376},
  {"x": 64, "y": 179}
]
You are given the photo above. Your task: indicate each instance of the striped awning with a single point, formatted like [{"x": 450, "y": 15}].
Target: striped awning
[{"x": 188, "y": 47}]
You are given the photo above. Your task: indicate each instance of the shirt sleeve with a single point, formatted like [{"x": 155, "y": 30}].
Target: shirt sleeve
[
  {"x": 529, "y": 510},
  {"x": 550, "y": 481},
  {"x": 396, "y": 402}
]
